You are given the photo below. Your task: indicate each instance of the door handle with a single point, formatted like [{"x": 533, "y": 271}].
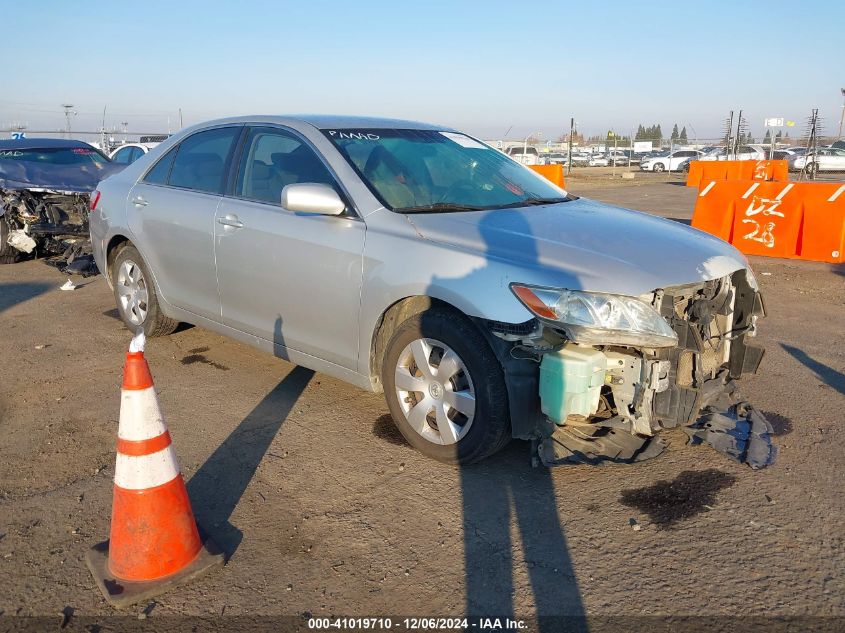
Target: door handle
[
  {"x": 138, "y": 201},
  {"x": 230, "y": 220}
]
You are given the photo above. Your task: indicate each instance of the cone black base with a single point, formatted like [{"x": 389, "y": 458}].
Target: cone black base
[{"x": 122, "y": 593}]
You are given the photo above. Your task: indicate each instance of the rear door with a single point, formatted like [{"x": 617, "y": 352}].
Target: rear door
[
  {"x": 171, "y": 211},
  {"x": 290, "y": 278}
]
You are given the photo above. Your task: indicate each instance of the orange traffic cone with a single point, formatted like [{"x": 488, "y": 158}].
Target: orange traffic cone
[{"x": 154, "y": 543}]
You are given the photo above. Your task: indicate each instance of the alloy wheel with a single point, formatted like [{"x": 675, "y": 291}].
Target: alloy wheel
[
  {"x": 132, "y": 292},
  {"x": 435, "y": 391}
]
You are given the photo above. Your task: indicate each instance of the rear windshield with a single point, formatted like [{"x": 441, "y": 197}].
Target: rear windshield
[
  {"x": 417, "y": 171},
  {"x": 56, "y": 155}
]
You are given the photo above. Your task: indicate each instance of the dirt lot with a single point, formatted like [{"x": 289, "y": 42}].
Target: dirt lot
[{"x": 326, "y": 511}]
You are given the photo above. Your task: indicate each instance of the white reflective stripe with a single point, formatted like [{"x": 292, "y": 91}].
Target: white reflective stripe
[
  {"x": 836, "y": 194},
  {"x": 706, "y": 189},
  {"x": 140, "y": 417},
  {"x": 750, "y": 190},
  {"x": 145, "y": 471},
  {"x": 784, "y": 192}
]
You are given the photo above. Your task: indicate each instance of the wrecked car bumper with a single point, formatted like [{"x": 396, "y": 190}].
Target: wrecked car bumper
[
  {"x": 49, "y": 222},
  {"x": 609, "y": 402}
]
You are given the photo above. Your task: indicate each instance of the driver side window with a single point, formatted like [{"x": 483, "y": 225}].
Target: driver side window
[{"x": 273, "y": 159}]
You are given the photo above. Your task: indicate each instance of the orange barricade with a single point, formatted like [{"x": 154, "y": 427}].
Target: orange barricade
[
  {"x": 796, "y": 220},
  {"x": 553, "y": 173},
  {"x": 708, "y": 170}
]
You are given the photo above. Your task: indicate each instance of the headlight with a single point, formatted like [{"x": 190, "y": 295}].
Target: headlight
[
  {"x": 598, "y": 319},
  {"x": 751, "y": 279}
]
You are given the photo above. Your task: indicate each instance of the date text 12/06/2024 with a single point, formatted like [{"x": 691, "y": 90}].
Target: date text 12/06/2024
[{"x": 416, "y": 624}]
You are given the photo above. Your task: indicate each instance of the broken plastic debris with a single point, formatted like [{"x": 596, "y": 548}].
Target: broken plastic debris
[
  {"x": 21, "y": 241},
  {"x": 68, "y": 285},
  {"x": 138, "y": 342},
  {"x": 741, "y": 432}
]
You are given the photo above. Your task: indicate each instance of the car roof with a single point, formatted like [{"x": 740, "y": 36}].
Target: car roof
[
  {"x": 41, "y": 143},
  {"x": 328, "y": 121},
  {"x": 143, "y": 145}
]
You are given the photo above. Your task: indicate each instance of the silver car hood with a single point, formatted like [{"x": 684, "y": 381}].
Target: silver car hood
[{"x": 583, "y": 244}]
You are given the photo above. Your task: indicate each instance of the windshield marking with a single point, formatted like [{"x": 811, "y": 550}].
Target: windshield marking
[{"x": 358, "y": 136}]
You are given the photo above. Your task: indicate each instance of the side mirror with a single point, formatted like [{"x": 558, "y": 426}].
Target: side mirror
[{"x": 312, "y": 198}]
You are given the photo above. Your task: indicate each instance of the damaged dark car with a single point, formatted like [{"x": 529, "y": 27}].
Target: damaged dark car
[{"x": 45, "y": 189}]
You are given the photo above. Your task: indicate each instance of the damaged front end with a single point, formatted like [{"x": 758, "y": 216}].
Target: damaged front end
[
  {"x": 48, "y": 222},
  {"x": 614, "y": 371}
]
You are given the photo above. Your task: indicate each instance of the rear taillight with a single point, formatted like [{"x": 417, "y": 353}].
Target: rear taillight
[{"x": 95, "y": 200}]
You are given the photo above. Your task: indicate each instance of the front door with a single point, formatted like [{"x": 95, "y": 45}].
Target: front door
[{"x": 289, "y": 278}]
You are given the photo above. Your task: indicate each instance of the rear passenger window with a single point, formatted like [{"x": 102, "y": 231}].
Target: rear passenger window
[
  {"x": 158, "y": 174},
  {"x": 122, "y": 156},
  {"x": 272, "y": 159},
  {"x": 137, "y": 152},
  {"x": 201, "y": 159}
]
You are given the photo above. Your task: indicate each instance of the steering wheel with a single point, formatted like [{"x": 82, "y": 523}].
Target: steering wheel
[
  {"x": 463, "y": 185},
  {"x": 380, "y": 156}
]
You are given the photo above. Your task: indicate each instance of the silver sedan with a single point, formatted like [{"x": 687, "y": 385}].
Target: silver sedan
[{"x": 484, "y": 301}]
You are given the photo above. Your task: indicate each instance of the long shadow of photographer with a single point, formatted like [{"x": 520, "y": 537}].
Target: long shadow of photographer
[
  {"x": 217, "y": 487},
  {"x": 505, "y": 488}
]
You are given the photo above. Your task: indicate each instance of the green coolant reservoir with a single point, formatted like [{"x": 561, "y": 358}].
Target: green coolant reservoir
[{"x": 571, "y": 381}]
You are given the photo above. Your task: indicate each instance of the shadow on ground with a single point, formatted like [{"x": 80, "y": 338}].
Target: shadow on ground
[
  {"x": 12, "y": 294},
  {"x": 217, "y": 487},
  {"x": 828, "y": 375}
]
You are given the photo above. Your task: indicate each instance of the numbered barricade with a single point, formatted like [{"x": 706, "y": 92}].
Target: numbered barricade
[
  {"x": 796, "y": 220},
  {"x": 704, "y": 171}
]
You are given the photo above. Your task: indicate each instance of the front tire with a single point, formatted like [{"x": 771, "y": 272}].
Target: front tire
[
  {"x": 445, "y": 388},
  {"x": 135, "y": 295},
  {"x": 658, "y": 167},
  {"x": 812, "y": 169}
]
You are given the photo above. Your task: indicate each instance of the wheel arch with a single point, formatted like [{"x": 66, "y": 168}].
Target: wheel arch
[
  {"x": 390, "y": 320},
  {"x": 112, "y": 249}
]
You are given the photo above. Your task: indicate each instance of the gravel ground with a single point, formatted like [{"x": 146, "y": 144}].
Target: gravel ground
[{"x": 326, "y": 511}]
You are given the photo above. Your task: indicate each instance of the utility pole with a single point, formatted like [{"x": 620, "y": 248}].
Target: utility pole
[
  {"x": 842, "y": 118},
  {"x": 125, "y": 124},
  {"x": 68, "y": 112},
  {"x": 569, "y": 158},
  {"x": 104, "y": 145}
]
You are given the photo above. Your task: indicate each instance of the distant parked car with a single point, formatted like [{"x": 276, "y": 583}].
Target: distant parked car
[
  {"x": 655, "y": 153},
  {"x": 130, "y": 152},
  {"x": 524, "y": 155},
  {"x": 598, "y": 160},
  {"x": 671, "y": 161},
  {"x": 618, "y": 158},
  {"x": 782, "y": 154},
  {"x": 554, "y": 158},
  {"x": 744, "y": 152},
  {"x": 825, "y": 159},
  {"x": 581, "y": 158}
]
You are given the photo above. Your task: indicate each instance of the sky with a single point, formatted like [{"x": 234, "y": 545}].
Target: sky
[{"x": 493, "y": 69}]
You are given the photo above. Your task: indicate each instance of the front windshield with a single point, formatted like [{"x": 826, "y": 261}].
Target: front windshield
[
  {"x": 56, "y": 156},
  {"x": 414, "y": 171}
]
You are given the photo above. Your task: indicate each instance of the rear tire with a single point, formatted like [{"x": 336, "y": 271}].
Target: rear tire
[
  {"x": 416, "y": 357},
  {"x": 135, "y": 295},
  {"x": 812, "y": 169},
  {"x": 8, "y": 254}
]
